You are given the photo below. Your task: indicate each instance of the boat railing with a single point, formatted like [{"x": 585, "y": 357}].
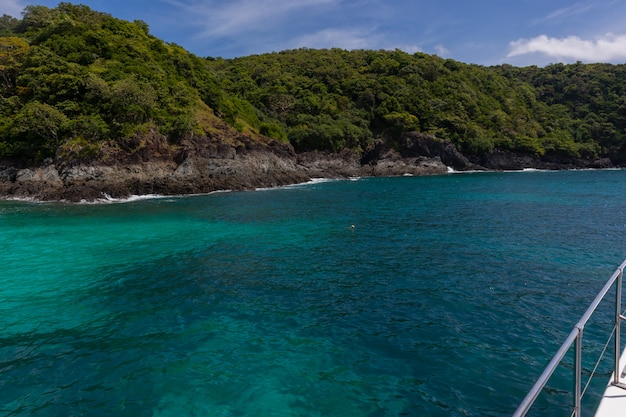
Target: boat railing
[{"x": 576, "y": 337}]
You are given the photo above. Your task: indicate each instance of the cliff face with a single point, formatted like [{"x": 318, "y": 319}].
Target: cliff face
[{"x": 150, "y": 166}]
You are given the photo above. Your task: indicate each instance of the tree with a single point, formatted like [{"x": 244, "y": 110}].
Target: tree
[
  {"x": 8, "y": 24},
  {"x": 132, "y": 101},
  {"x": 36, "y": 17},
  {"x": 39, "y": 126},
  {"x": 400, "y": 122},
  {"x": 12, "y": 50}
]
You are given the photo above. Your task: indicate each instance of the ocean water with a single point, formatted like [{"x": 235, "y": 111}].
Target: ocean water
[{"x": 447, "y": 298}]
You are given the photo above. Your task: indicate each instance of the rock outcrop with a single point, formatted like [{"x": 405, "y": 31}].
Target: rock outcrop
[
  {"x": 193, "y": 175},
  {"x": 509, "y": 161},
  {"x": 149, "y": 165}
]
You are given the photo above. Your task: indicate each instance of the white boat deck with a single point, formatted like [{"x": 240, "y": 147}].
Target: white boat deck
[{"x": 613, "y": 401}]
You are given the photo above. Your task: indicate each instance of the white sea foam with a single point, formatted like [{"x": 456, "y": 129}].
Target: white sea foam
[
  {"x": 469, "y": 171},
  {"x": 312, "y": 181},
  {"x": 107, "y": 199},
  {"x": 23, "y": 199}
]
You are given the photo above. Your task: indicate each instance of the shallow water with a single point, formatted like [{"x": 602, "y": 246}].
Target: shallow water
[{"x": 447, "y": 298}]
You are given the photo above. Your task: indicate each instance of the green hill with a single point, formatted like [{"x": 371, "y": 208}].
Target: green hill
[
  {"x": 73, "y": 80},
  {"x": 328, "y": 99}
]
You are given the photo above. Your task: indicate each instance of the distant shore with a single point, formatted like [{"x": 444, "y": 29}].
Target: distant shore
[
  {"x": 248, "y": 169},
  {"x": 193, "y": 176}
]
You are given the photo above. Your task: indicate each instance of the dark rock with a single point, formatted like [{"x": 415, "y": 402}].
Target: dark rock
[
  {"x": 149, "y": 165},
  {"x": 415, "y": 144},
  {"x": 8, "y": 174},
  {"x": 505, "y": 160},
  {"x": 601, "y": 163}
]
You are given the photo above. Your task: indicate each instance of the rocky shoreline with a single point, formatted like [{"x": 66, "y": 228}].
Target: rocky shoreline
[
  {"x": 193, "y": 176},
  {"x": 195, "y": 169}
]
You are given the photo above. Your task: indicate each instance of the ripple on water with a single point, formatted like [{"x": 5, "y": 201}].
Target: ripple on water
[{"x": 448, "y": 297}]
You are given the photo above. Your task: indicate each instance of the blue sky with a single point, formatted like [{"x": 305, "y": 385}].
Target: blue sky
[{"x": 485, "y": 32}]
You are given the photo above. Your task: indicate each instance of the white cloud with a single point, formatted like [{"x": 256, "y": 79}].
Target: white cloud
[
  {"x": 442, "y": 51},
  {"x": 350, "y": 39},
  {"x": 568, "y": 12},
  {"x": 607, "y": 48},
  {"x": 228, "y": 18},
  {"x": 337, "y": 38},
  {"x": 409, "y": 49},
  {"x": 12, "y": 7}
]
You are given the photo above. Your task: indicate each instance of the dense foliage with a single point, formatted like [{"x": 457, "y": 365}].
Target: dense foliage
[
  {"x": 334, "y": 98},
  {"x": 72, "y": 78}
]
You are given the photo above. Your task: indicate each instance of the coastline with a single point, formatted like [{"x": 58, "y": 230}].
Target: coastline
[
  {"x": 202, "y": 170},
  {"x": 110, "y": 184},
  {"x": 130, "y": 198}
]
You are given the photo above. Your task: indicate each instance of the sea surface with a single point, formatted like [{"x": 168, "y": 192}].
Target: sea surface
[{"x": 447, "y": 298}]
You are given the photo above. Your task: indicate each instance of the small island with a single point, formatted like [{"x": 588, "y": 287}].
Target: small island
[{"x": 94, "y": 106}]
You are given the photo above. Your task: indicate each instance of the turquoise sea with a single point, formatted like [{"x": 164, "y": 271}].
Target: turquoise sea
[{"x": 447, "y": 298}]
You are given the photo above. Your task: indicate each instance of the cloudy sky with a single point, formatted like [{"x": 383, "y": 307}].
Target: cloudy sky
[{"x": 485, "y": 32}]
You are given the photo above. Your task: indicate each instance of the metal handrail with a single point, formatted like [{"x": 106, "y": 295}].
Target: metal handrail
[{"x": 576, "y": 335}]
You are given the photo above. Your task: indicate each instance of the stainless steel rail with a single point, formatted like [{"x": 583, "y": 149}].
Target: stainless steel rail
[{"x": 576, "y": 336}]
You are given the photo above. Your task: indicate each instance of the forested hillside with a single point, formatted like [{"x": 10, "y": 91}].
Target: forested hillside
[
  {"x": 73, "y": 79},
  {"x": 334, "y": 98}
]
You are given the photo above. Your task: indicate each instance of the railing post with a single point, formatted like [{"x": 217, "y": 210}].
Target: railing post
[
  {"x": 576, "y": 336},
  {"x": 578, "y": 367},
  {"x": 618, "y": 313}
]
